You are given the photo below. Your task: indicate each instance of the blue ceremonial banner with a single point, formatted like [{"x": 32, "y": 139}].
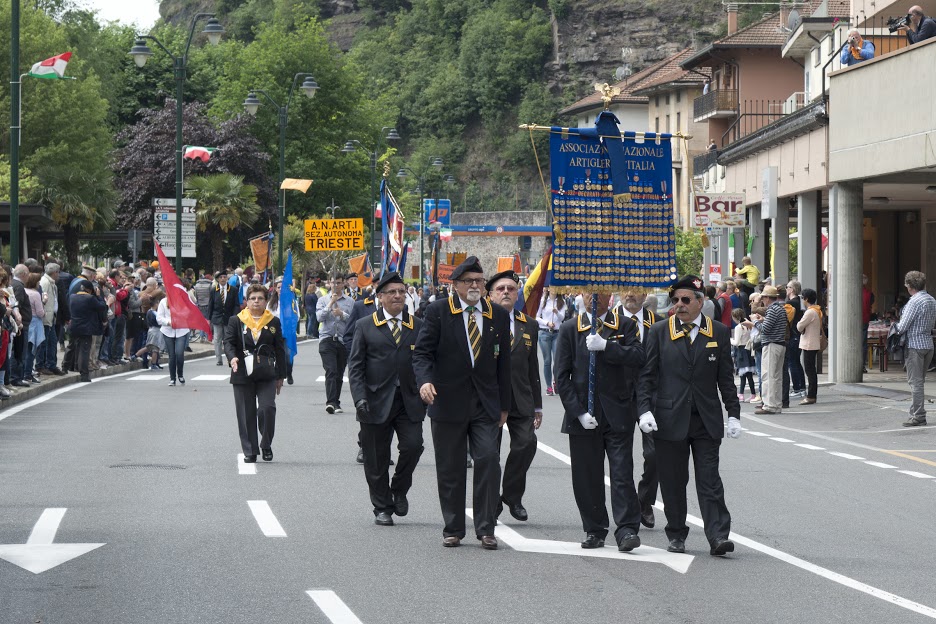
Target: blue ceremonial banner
[
  {"x": 613, "y": 204},
  {"x": 289, "y": 312},
  {"x": 438, "y": 210}
]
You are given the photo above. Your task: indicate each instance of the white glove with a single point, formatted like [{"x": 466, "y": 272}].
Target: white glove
[
  {"x": 594, "y": 342},
  {"x": 734, "y": 427},
  {"x": 647, "y": 422},
  {"x": 588, "y": 421}
]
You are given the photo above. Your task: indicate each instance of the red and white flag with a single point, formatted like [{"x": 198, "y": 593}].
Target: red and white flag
[
  {"x": 51, "y": 68},
  {"x": 185, "y": 314}
]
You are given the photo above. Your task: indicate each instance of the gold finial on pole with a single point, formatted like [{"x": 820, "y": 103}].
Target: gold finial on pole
[
  {"x": 608, "y": 92},
  {"x": 386, "y": 169}
]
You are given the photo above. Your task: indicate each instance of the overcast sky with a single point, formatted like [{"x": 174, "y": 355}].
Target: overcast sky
[{"x": 143, "y": 13}]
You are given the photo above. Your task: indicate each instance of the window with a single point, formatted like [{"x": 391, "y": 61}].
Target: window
[
  {"x": 678, "y": 122},
  {"x": 656, "y": 124},
  {"x": 831, "y": 39},
  {"x": 678, "y": 96},
  {"x": 815, "y": 56},
  {"x": 667, "y": 98},
  {"x": 656, "y": 101},
  {"x": 667, "y": 124}
]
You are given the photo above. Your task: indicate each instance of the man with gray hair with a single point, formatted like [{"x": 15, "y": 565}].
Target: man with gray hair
[
  {"x": 856, "y": 49},
  {"x": 916, "y": 324},
  {"x": 46, "y": 356},
  {"x": 920, "y": 27}
]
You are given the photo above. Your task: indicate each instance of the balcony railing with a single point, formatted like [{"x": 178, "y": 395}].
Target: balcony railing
[
  {"x": 717, "y": 103},
  {"x": 703, "y": 162},
  {"x": 752, "y": 116}
]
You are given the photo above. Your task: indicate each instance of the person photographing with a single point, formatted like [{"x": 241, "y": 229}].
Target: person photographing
[{"x": 856, "y": 49}]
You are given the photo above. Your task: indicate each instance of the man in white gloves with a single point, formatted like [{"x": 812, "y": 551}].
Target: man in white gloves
[
  {"x": 609, "y": 431},
  {"x": 688, "y": 366}
]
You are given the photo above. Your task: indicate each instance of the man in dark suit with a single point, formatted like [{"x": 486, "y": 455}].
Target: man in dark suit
[
  {"x": 688, "y": 365},
  {"x": 352, "y": 290},
  {"x": 383, "y": 385},
  {"x": 610, "y": 430},
  {"x": 362, "y": 309},
  {"x": 632, "y": 306},
  {"x": 222, "y": 304},
  {"x": 462, "y": 368},
  {"x": 526, "y": 405}
]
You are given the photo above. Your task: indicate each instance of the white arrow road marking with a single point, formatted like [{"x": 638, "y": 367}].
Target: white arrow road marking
[
  {"x": 243, "y": 468},
  {"x": 648, "y": 554},
  {"x": 211, "y": 378},
  {"x": 333, "y": 607},
  {"x": 39, "y": 554},
  {"x": 835, "y": 577},
  {"x": 322, "y": 378},
  {"x": 265, "y": 518}
]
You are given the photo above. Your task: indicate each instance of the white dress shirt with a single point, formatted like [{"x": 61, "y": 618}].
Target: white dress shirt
[
  {"x": 640, "y": 319},
  {"x": 479, "y": 319}
]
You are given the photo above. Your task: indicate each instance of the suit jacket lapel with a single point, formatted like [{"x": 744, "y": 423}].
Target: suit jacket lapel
[
  {"x": 518, "y": 328},
  {"x": 383, "y": 326},
  {"x": 676, "y": 334}
]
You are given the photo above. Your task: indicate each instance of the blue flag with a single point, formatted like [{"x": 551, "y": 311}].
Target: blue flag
[{"x": 289, "y": 317}]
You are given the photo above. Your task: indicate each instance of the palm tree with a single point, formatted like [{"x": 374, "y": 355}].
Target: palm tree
[
  {"x": 80, "y": 201},
  {"x": 224, "y": 204}
]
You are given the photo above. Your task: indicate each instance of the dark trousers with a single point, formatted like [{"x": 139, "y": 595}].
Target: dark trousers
[
  {"x": 376, "y": 440},
  {"x": 48, "y": 350},
  {"x": 255, "y": 403},
  {"x": 673, "y": 463},
  {"x": 809, "y": 362},
  {"x": 650, "y": 480},
  {"x": 18, "y": 354},
  {"x": 588, "y": 452},
  {"x": 797, "y": 377},
  {"x": 81, "y": 346},
  {"x": 450, "y": 440},
  {"x": 68, "y": 360},
  {"x": 175, "y": 347},
  {"x": 334, "y": 360},
  {"x": 120, "y": 331},
  {"x": 520, "y": 457}
]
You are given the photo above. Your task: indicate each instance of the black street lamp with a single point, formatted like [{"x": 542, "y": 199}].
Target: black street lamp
[
  {"x": 141, "y": 53},
  {"x": 421, "y": 178},
  {"x": 252, "y": 105},
  {"x": 351, "y": 146}
]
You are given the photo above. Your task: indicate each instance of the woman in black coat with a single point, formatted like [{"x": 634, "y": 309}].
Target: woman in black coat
[{"x": 251, "y": 332}]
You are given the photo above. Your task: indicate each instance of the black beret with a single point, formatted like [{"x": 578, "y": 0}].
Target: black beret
[
  {"x": 470, "y": 265},
  {"x": 508, "y": 274},
  {"x": 689, "y": 282},
  {"x": 350, "y": 275},
  {"x": 220, "y": 273},
  {"x": 390, "y": 278}
]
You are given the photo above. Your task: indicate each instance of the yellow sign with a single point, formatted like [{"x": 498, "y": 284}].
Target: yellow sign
[{"x": 334, "y": 234}]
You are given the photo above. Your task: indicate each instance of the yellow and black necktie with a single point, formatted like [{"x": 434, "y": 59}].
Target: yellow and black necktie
[
  {"x": 474, "y": 334},
  {"x": 687, "y": 330},
  {"x": 395, "y": 329}
]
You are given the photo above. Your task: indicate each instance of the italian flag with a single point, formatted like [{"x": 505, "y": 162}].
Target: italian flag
[
  {"x": 196, "y": 151},
  {"x": 51, "y": 68}
]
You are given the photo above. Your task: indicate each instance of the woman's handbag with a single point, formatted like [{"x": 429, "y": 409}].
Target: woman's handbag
[{"x": 261, "y": 364}]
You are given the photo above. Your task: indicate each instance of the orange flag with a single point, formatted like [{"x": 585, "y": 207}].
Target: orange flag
[{"x": 361, "y": 266}]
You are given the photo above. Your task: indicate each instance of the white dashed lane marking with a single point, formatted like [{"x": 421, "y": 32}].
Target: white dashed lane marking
[{"x": 844, "y": 455}]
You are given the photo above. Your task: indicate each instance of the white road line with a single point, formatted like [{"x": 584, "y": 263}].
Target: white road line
[
  {"x": 758, "y": 434},
  {"x": 879, "y": 464},
  {"x": 844, "y": 455},
  {"x": 781, "y": 440},
  {"x": 322, "y": 378},
  {"x": 918, "y": 475},
  {"x": 811, "y": 447},
  {"x": 211, "y": 378},
  {"x": 265, "y": 518},
  {"x": 835, "y": 577},
  {"x": 333, "y": 607},
  {"x": 149, "y": 378},
  {"x": 47, "y": 526},
  {"x": 243, "y": 468}
]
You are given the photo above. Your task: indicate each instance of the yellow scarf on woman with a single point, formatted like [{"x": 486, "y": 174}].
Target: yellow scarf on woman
[{"x": 255, "y": 325}]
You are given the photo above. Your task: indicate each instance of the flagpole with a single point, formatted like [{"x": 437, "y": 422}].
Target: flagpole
[{"x": 15, "y": 96}]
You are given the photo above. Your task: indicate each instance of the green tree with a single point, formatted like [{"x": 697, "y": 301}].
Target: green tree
[
  {"x": 225, "y": 203},
  {"x": 79, "y": 200},
  {"x": 688, "y": 252}
]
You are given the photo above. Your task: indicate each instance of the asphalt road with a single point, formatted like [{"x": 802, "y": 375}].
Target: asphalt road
[{"x": 152, "y": 474}]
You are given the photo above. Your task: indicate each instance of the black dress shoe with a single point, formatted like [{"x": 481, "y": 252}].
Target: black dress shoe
[
  {"x": 452, "y": 541},
  {"x": 250, "y": 459},
  {"x": 19, "y": 384},
  {"x": 181, "y": 380},
  {"x": 516, "y": 510},
  {"x": 267, "y": 454},
  {"x": 629, "y": 541},
  {"x": 360, "y": 456},
  {"x": 383, "y": 519},
  {"x": 400, "y": 504},
  {"x": 721, "y": 547},
  {"x": 289, "y": 379},
  {"x": 592, "y": 541},
  {"x": 488, "y": 542},
  {"x": 676, "y": 546},
  {"x": 646, "y": 516}
]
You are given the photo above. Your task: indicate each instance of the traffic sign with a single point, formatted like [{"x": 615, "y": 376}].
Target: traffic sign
[
  {"x": 164, "y": 229},
  {"x": 334, "y": 234},
  {"x": 170, "y": 202}
]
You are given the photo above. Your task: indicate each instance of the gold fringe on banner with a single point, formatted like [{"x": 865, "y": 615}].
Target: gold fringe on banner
[{"x": 637, "y": 135}]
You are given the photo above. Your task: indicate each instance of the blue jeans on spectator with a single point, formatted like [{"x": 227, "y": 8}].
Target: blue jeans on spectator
[
  {"x": 117, "y": 340},
  {"x": 48, "y": 350},
  {"x": 104, "y": 352},
  {"x": 760, "y": 379},
  {"x": 547, "y": 344},
  {"x": 175, "y": 347}
]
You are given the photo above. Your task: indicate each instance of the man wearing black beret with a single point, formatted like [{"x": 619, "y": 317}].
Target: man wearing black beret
[
  {"x": 688, "y": 365},
  {"x": 462, "y": 364},
  {"x": 383, "y": 385},
  {"x": 352, "y": 290},
  {"x": 526, "y": 405}
]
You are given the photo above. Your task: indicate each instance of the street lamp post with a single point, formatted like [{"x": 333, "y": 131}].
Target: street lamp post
[
  {"x": 437, "y": 163},
  {"x": 141, "y": 53},
  {"x": 251, "y": 105},
  {"x": 349, "y": 147}
]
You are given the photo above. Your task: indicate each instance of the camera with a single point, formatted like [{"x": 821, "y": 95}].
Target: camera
[{"x": 895, "y": 23}]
